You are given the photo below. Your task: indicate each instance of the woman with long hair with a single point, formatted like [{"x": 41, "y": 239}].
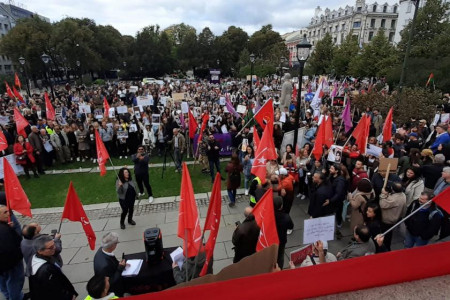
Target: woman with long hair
[
  {"x": 412, "y": 184},
  {"x": 233, "y": 169},
  {"x": 126, "y": 191},
  {"x": 372, "y": 219},
  {"x": 24, "y": 156}
]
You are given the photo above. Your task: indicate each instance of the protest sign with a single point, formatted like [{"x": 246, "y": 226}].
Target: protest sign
[
  {"x": 373, "y": 150},
  {"x": 222, "y": 101},
  {"x": 58, "y": 111},
  {"x": 224, "y": 128},
  {"x": 18, "y": 169},
  {"x": 163, "y": 101},
  {"x": 335, "y": 154},
  {"x": 288, "y": 139},
  {"x": 122, "y": 134},
  {"x": 444, "y": 118},
  {"x": 184, "y": 107},
  {"x": 98, "y": 113},
  {"x": 4, "y": 120},
  {"x": 298, "y": 256},
  {"x": 133, "y": 89},
  {"x": 121, "y": 109},
  {"x": 133, "y": 128},
  {"x": 384, "y": 162},
  {"x": 318, "y": 229},
  {"x": 137, "y": 111},
  {"x": 85, "y": 109},
  {"x": 145, "y": 100},
  {"x": 241, "y": 109},
  {"x": 156, "y": 119},
  {"x": 197, "y": 112},
  {"x": 111, "y": 113},
  {"x": 178, "y": 97}
]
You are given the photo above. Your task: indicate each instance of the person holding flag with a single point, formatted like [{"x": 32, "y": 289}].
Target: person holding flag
[
  {"x": 24, "y": 156},
  {"x": 126, "y": 191}
]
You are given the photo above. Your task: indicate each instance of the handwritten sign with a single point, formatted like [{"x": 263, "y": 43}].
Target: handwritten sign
[
  {"x": 122, "y": 109},
  {"x": 318, "y": 229},
  {"x": 298, "y": 256},
  {"x": 145, "y": 101},
  {"x": 178, "y": 96},
  {"x": 241, "y": 109}
]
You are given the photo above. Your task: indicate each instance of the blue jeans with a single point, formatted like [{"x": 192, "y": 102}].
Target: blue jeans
[
  {"x": 232, "y": 195},
  {"x": 411, "y": 240},
  {"x": 11, "y": 282},
  {"x": 178, "y": 157},
  {"x": 211, "y": 168}
]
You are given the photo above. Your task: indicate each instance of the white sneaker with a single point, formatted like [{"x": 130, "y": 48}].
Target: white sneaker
[
  {"x": 78, "y": 159},
  {"x": 140, "y": 194},
  {"x": 299, "y": 195},
  {"x": 289, "y": 231},
  {"x": 120, "y": 157},
  {"x": 126, "y": 157},
  {"x": 246, "y": 192},
  {"x": 95, "y": 161},
  {"x": 150, "y": 200},
  {"x": 83, "y": 160},
  {"x": 302, "y": 197}
]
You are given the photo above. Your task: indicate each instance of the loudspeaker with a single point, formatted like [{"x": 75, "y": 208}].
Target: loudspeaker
[{"x": 153, "y": 245}]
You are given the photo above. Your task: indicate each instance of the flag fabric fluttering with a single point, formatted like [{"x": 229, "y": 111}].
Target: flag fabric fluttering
[
  {"x": 265, "y": 114},
  {"x": 361, "y": 133},
  {"x": 328, "y": 138},
  {"x": 230, "y": 107},
  {"x": 17, "y": 81},
  {"x": 102, "y": 153},
  {"x": 387, "y": 127},
  {"x": 443, "y": 200},
  {"x": 188, "y": 221},
  {"x": 192, "y": 125},
  {"x": 17, "y": 94},
  {"x": 266, "y": 151},
  {"x": 346, "y": 117},
  {"x": 256, "y": 139},
  {"x": 294, "y": 93},
  {"x": 9, "y": 91},
  {"x": 212, "y": 222},
  {"x": 49, "y": 109},
  {"x": 15, "y": 195},
  {"x": 73, "y": 211},
  {"x": 205, "y": 120},
  {"x": 21, "y": 122},
  {"x": 3, "y": 141},
  {"x": 106, "y": 107},
  {"x": 320, "y": 141},
  {"x": 430, "y": 80},
  {"x": 265, "y": 218}
]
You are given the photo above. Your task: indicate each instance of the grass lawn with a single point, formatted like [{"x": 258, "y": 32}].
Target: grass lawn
[{"x": 51, "y": 190}]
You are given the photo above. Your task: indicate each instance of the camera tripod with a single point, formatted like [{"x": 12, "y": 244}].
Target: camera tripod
[{"x": 165, "y": 160}]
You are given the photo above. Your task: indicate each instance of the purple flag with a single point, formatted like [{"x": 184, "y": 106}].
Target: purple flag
[
  {"x": 183, "y": 125},
  {"x": 335, "y": 89},
  {"x": 231, "y": 109},
  {"x": 346, "y": 117}
]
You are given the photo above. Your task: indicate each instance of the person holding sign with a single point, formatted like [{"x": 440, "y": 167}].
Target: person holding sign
[{"x": 320, "y": 255}]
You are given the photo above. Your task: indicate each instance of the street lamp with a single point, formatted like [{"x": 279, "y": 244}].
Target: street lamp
[
  {"x": 303, "y": 50},
  {"x": 78, "y": 63},
  {"x": 46, "y": 59},
  {"x": 22, "y": 62},
  {"x": 252, "y": 61},
  {"x": 282, "y": 60}
]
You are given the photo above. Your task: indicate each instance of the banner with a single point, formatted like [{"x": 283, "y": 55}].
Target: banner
[
  {"x": 224, "y": 140},
  {"x": 12, "y": 161}
]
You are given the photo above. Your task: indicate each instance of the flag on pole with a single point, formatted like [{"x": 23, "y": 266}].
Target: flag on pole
[
  {"x": 73, "y": 211},
  {"x": 21, "y": 122},
  {"x": 106, "y": 107},
  {"x": 102, "y": 153},
  {"x": 17, "y": 94},
  {"x": 256, "y": 139},
  {"x": 265, "y": 114},
  {"x": 3, "y": 141},
  {"x": 212, "y": 222},
  {"x": 205, "y": 120},
  {"x": 9, "y": 91},
  {"x": 231, "y": 109},
  {"x": 188, "y": 222},
  {"x": 320, "y": 141},
  {"x": 346, "y": 117},
  {"x": 49, "y": 110},
  {"x": 361, "y": 133},
  {"x": 265, "y": 218},
  {"x": 192, "y": 125},
  {"x": 328, "y": 140},
  {"x": 443, "y": 200},
  {"x": 266, "y": 151},
  {"x": 15, "y": 195},
  {"x": 430, "y": 80},
  {"x": 387, "y": 127},
  {"x": 17, "y": 81},
  {"x": 294, "y": 93}
]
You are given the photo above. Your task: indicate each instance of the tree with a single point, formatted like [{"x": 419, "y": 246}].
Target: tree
[
  {"x": 178, "y": 32},
  {"x": 321, "y": 59},
  {"x": 206, "y": 49},
  {"x": 344, "y": 54},
  {"x": 187, "y": 52}
]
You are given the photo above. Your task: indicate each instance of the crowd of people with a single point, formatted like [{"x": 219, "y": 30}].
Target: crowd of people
[{"x": 351, "y": 186}]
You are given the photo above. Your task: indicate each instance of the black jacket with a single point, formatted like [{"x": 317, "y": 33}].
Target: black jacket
[
  {"x": 10, "y": 253},
  {"x": 211, "y": 152},
  {"x": 431, "y": 174},
  {"x": 317, "y": 198},
  {"x": 420, "y": 224},
  {"x": 107, "y": 265},
  {"x": 339, "y": 186},
  {"x": 283, "y": 222},
  {"x": 245, "y": 237}
]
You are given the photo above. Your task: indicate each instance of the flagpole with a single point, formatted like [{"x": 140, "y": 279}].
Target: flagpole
[
  {"x": 59, "y": 228},
  {"x": 239, "y": 133},
  {"x": 186, "y": 251},
  {"x": 114, "y": 168}
]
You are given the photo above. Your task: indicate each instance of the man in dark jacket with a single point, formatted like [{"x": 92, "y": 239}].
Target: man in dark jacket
[
  {"x": 47, "y": 280},
  {"x": 320, "y": 192},
  {"x": 141, "y": 160},
  {"x": 245, "y": 236},
  {"x": 11, "y": 266},
  {"x": 432, "y": 173},
  {"x": 212, "y": 151},
  {"x": 284, "y": 223},
  {"x": 106, "y": 263},
  {"x": 38, "y": 147},
  {"x": 336, "y": 202},
  {"x": 424, "y": 224}
]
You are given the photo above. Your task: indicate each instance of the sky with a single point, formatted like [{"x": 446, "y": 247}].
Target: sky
[{"x": 130, "y": 16}]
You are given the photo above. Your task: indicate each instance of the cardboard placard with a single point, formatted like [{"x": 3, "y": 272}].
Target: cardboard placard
[
  {"x": 184, "y": 107},
  {"x": 384, "y": 162},
  {"x": 178, "y": 96},
  {"x": 156, "y": 119},
  {"x": 122, "y": 134}
]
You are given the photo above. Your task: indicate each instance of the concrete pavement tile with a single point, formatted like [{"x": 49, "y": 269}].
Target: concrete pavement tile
[
  {"x": 47, "y": 210},
  {"x": 47, "y": 229},
  {"x": 129, "y": 247},
  {"x": 225, "y": 211},
  {"x": 95, "y": 206},
  {"x": 67, "y": 254},
  {"x": 112, "y": 224},
  {"x": 220, "y": 264},
  {"x": 230, "y": 220},
  {"x": 75, "y": 240},
  {"x": 81, "y": 289},
  {"x": 79, "y": 272},
  {"x": 150, "y": 220},
  {"x": 203, "y": 211},
  {"x": 171, "y": 241},
  {"x": 113, "y": 205},
  {"x": 169, "y": 229},
  {"x": 131, "y": 233},
  {"x": 220, "y": 252},
  {"x": 99, "y": 225},
  {"x": 225, "y": 233},
  {"x": 229, "y": 249},
  {"x": 164, "y": 200},
  {"x": 85, "y": 254},
  {"x": 171, "y": 216},
  {"x": 295, "y": 238}
]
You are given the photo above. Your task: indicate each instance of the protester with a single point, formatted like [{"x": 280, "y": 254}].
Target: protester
[
  {"x": 178, "y": 143},
  {"x": 358, "y": 201},
  {"x": 320, "y": 192},
  {"x": 245, "y": 236},
  {"x": 413, "y": 184},
  {"x": 320, "y": 255},
  {"x": 247, "y": 163},
  {"x": 213, "y": 149},
  {"x": 372, "y": 219},
  {"x": 98, "y": 288},
  {"x": 126, "y": 191},
  {"x": 194, "y": 266},
  {"x": 233, "y": 169},
  {"x": 363, "y": 244},
  {"x": 24, "y": 156},
  {"x": 284, "y": 223},
  {"x": 285, "y": 188},
  {"x": 140, "y": 160}
]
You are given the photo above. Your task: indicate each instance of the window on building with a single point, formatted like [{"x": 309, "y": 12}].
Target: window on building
[
  {"x": 395, "y": 9},
  {"x": 310, "y": 34},
  {"x": 407, "y": 22},
  {"x": 370, "y": 35},
  {"x": 372, "y": 23},
  {"x": 358, "y": 9},
  {"x": 7, "y": 67},
  {"x": 374, "y": 8},
  {"x": 391, "y": 36},
  {"x": 357, "y": 24},
  {"x": 346, "y": 12},
  {"x": 393, "y": 23},
  {"x": 332, "y": 16},
  {"x": 335, "y": 40},
  {"x": 339, "y": 14},
  {"x": 6, "y": 26},
  {"x": 336, "y": 28},
  {"x": 408, "y": 9},
  {"x": 331, "y": 28},
  {"x": 384, "y": 8},
  {"x": 383, "y": 23}
]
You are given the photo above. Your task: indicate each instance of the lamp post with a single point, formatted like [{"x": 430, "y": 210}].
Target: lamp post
[
  {"x": 22, "y": 62},
  {"x": 282, "y": 60},
  {"x": 46, "y": 59},
  {"x": 252, "y": 61},
  {"x": 79, "y": 71},
  {"x": 124, "y": 66},
  {"x": 303, "y": 50}
]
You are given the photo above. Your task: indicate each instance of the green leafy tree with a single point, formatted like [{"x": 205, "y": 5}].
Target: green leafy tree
[
  {"x": 321, "y": 59},
  {"x": 206, "y": 40},
  {"x": 344, "y": 54},
  {"x": 187, "y": 52}
]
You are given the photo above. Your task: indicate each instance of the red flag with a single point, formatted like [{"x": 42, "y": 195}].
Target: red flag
[
  {"x": 265, "y": 114},
  {"x": 443, "y": 200},
  {"x": 387, "y": 128},
  {"x": 73, "y": 211},
  {"x": 188, "y": 221},
  {"x": 3, "y": 141},
  {"x": 265, "y": 151},
  {"x": 328, "y": 132},
  {"x": 15, "y": 195},
  {"x": 361, "y": 133},
  {"x": 21, "y": 122},
  {"x": 9, "y": 92},
  {"x": 17, "y": 94},
  {"x": 265, "y": 218},
  {"x": 106, "y": 107},
  {"x": 17, "y": 81},
  {"x": 49, "y": 110},
  {"x": 294, "y": 93},
  {"x": 192, "y": 125},
  {"x": 205, "y": 120},
  {"x": 256, "y": 139},
  {"x": 212, "y": 222},
  {"x": 320, "y": 141},
  {"x": 102, "y": 154}
]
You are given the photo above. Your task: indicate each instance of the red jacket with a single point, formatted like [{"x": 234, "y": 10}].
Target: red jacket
[
  {"x": 358, "y": 175},
  {"x": 18, "y": 151}
]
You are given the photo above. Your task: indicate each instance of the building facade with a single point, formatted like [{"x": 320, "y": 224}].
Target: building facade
[
  {"x": 363, "y": 21},
  {"x": 9, "y": 15},
  {"x": 291, "y": 40}
]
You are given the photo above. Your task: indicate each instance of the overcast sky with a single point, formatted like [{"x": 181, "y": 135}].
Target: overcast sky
[{"x": 130, "y": 16}]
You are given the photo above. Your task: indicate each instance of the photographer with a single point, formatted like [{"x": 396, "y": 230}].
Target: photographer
[{"x": 140, "y": 160}]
